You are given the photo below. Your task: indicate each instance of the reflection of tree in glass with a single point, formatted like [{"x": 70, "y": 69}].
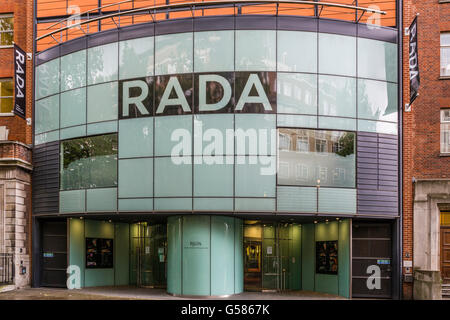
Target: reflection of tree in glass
[{"x": 347, "y": 143}]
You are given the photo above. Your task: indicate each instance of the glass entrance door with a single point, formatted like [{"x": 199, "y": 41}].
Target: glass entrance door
[{"x": 149, "y": 255}]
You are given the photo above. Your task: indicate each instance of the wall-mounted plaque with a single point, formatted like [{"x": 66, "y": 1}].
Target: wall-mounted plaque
[
  {"x": 327, "y": 257},
  {"x": 99, "y": 253}
]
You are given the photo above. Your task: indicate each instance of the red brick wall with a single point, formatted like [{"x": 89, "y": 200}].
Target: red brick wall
[
  {"x": 421, "y": 126},
  {"x": 23, "y": 36}
]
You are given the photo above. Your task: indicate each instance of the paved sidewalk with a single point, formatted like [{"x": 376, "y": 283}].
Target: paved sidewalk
[{"x": 133, "y": 293}]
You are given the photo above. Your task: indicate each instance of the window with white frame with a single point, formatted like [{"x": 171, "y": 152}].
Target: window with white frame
[
  {"x": 445, "y": 54},
  {"x": 6, "y": 30},
  {"x": 445, "y": 131},
  {"x": 285, "y": 141},
  {"x": 6, "y": 96}
]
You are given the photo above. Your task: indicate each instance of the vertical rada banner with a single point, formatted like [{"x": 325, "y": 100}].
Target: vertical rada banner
[
  {"x": 19, "y": 82},
  {"x": 414, "y": 74}
]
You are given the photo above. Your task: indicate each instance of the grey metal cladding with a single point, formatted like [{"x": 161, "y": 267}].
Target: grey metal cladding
[
  {"x": 46, "y": 178},
  {"x": 377, "y": 180}
]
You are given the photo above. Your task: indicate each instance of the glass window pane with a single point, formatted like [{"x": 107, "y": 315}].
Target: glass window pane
[
  {"x": 377, "y": 60},
  {"x": 445, "y": 39},
  {"x": 297, "y": 51},
  {"x": 255, "y": 176},
  {"x": 6, "y": 105},
  {"x": 317, "y": 157},
  {"x": 47, "y": 79},
  {"x": 167, "y": 171},
  {"x": 377, "y": 126},
  {"x": 213, "y": 179},
  {"x": 136, "y": 58},
  {"x": 214, "y": 51},
  {"x": 89, "y": 162},
  {"x": 73, "y": 107},
  {"x": 337, "y": 200},
  {"x": 6, "y": 39},
  {"x": 173, "y": 53},
  {"x": 136, "y": 178},
  {"x": 297, "y": 199},
  {"x": 255, "y": 50},
  {"x": 337, "y": 96},
  {"x": 445, "y": 62},
  {"x": 337, "y": 54},
  {"x": 297, "y": 93},
  {"x": 101, "y": 199},
  {"x": 6, "y": 88},
  {"x": 210, "y": 132},
  {"x": 73, "y": 70},
  {"x": 102, "y": 102},
  {"x": 445, "y": 131},
  {"x": 47, "y": 114},
  {"x": 136, "y": 137},
  {"x": 6, "y": 23},
  {"x": 171, "y": 132},
  {"x": 377, "y": 100},
  {"x": 337, "y": 123},
  {"x": 296, "y": 121},
  {"x": 255, "y": 134},
  {"x": 103, "y": 63}
]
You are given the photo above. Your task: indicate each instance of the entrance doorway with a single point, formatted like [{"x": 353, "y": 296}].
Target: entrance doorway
[
  {"x": 445, "y": 247},
  {"x": 268, "y": 256},
  {"x": 148, "y": 255}
]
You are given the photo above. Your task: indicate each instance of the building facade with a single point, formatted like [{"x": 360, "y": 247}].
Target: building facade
[
  {"x": 16, "y": 27},
  {"x": 426, "y": 180},
  {"x": 219, "y": 149}
]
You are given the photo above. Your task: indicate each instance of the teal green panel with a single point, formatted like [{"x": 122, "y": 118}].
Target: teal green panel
[
  {"x": 135, "y": 205},
  {"x": 249, "y": 140},
  {"x": 290, "y": 45},
  {"x": 101, "y": 199},
  {"x": 238, "y": 256},
  {"x": 196, "y": 255},
  {"x": 222, "y": 255},
  {"x": 99, "y": 277},
  {"x": 46, "y": 137},
  {"x": 73, "y": 108},
  {"x": 327, "y": 283},
  {"x": 76, "y": 245},
  {"x": 47, "y": 114},
  {"x": 327, "y": 231},
  {"x": 134, "y": 232},
  {"x": 102, "y": 103},
  {"x": 337, "y": 123},
  {"x": 295, "y": 264},
  {"x": 136, "y": 178},
  {"x": 377, "y": 60},
  {"x": 213, "y": 204},
  {"x": 101, "y": 127},
  {"x": 173, "y": 204},
  {"x": 72, "y": 201},
  {"x": 337, "y": 54},
  {"x": 99, "y": 229},
  {"x": 47, "y": 79},
  {"x": 255, "y": 50},
  {"x": 297, "y": 199},
  {"x": 377, "y": 100},
  {"x": 254, "y": 204},
  {"x": 344, "y": 258},
  {"x": 295, "y": 121},
  {"x": 73, "y": 132},
  {"x": 308, "y": 257},
  {"x": 173, "y": 53},
  {"x": 207, "y": 131},
  {"x": 136, "y": 58},
  {"x": 335, "y": 200},
  {"x": 214, "y": 51},
  {"x": 296, "y": 93},
  {"x": 337, "y": 96},
  {"x": 121, "y": 254},
  {"x": 165, "y": 127},
  {"x": 174, "y": 252},
  {"x": 213, "y": 180},
  {"x": 73, "y": 70},
  {"x": 136, "y": 137},
  {"x": 166, "y": 172},
  {"x": 253, "y": 179},
  {"x": 377, "y": 126},
  {"x": 103, "y": 63}
]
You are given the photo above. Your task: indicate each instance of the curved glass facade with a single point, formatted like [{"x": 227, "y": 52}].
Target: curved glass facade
[{"x": 240, "y": 119}]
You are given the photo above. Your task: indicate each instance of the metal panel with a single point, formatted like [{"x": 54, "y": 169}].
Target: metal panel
[{"x": 46, "y": 178}]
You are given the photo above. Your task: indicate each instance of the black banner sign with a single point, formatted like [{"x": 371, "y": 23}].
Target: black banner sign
[
  {"x": 20, "y": 59},
  {"x": 414, "y": 74}
]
